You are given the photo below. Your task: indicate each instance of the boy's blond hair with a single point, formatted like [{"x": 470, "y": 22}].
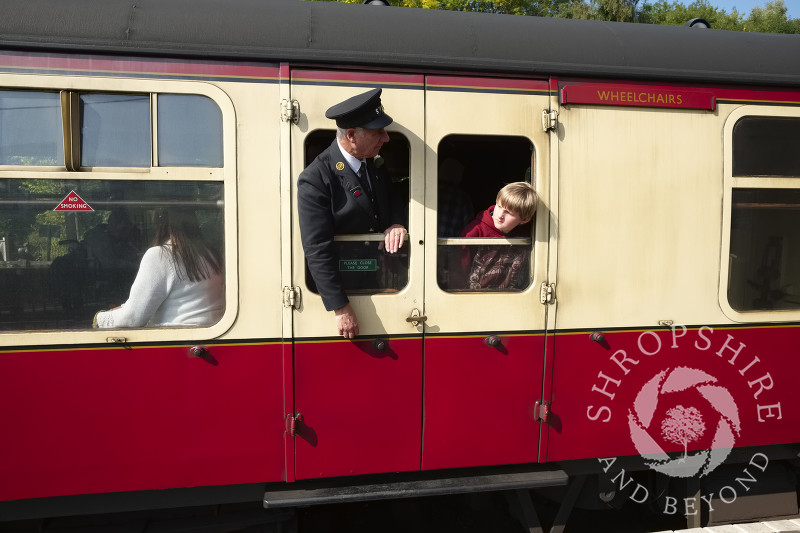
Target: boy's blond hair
[{"x": 520, "y": 198}]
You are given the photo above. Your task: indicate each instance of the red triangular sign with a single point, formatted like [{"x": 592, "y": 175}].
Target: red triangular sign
[{"x": 73, "y": 202}]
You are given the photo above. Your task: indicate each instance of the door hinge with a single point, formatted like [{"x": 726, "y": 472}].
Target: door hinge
[
  {"x": 549, "y": 119},
  {"x": 547, "y": 295},
  {"x": 291, "y": 297},
  {"x": 290, "y": 111},
  {"x": 540, "y": 411},
  {"x": 293, "y": 423}
]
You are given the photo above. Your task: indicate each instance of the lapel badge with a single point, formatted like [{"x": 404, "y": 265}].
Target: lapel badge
[
  {"x": 340, "y": 166},
  {"x": 356, "y": 191}
]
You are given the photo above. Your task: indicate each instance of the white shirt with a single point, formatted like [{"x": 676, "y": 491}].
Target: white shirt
[
  {"x": 160, "y": 298},
  {"x": 352, "y": 162}
]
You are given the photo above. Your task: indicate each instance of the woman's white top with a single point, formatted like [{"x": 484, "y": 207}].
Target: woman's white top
[{"x": 160, "y": 298}]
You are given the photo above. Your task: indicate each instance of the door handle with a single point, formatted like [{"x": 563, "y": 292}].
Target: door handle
[{"x": 416, "y": 317}]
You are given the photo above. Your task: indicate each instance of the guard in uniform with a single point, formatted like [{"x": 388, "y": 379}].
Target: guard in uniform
[{"x": 341, "y": 192}]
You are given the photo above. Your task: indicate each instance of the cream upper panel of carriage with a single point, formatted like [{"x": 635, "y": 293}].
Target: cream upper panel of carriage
[
  {"x": 640, "y": 202},
  {"x": 169, "y": 143},
  {"x": 497, "y": 111},
  {"x": 257, "y": 215}
]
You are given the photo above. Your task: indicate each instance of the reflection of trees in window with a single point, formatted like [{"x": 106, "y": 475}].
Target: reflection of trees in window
[
  {"x": 62, "y": 267},
  {"x": 58, "y": 267},
  {"x": 41, "y": 228}
]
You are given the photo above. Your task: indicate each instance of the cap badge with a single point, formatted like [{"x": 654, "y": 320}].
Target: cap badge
[{"x": 339, "y": 166}]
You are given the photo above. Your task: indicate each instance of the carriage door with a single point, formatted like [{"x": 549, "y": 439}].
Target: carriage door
[
  {"x": 358, "y": 404},
  {"x": 484, "y": 340}
]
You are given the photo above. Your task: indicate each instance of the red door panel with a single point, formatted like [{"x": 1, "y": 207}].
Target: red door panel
[
  {"x": 361, "y": 407},
  {"x": 479, "y": 401}
]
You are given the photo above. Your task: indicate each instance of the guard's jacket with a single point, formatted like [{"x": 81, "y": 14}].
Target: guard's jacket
[{"x": 330, "y": 200}]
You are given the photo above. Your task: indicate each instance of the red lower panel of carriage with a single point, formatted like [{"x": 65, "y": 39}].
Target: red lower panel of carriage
[
  {"x": 479, "y": 400},
  {"x": 669, "y": 391},
  {"x": 361, "y": 407},
  {"x": 105, "y": 420}
]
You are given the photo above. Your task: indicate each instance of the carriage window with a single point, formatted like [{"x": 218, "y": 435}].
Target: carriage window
[
  {"x": 189, "y": 131},
  {"x": 765, "y": 250},
  {"x": 471, "y": 171},
  {"x": 764, "y": 253},
  {"x": 110, "y": 129},
  {"x": 115, "y": 130},
  {"x": 766, "y": 146},
  {"x": 363, "y": 265},
  {"x": 30, "y": 129},
  {"x": 71, "y": 248}
]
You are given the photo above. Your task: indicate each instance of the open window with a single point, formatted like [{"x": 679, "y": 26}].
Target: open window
[
  {"x": 363, "y": 265},
  {"x": 471, "y": 171}
]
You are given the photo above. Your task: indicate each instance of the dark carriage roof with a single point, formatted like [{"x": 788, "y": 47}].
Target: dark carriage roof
[{"x": 312, "y": 32}]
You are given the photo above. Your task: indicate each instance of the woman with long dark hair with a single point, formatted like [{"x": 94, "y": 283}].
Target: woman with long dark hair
[{"x": 179, "y": 282}]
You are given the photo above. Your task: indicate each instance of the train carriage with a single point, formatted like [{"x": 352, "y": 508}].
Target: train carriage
[{"x": 655, "y": 326}]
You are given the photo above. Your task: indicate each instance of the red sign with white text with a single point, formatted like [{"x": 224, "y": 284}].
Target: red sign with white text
[
  {"x": 639, "y": 96},
  {"x": 73, "y": 202}
]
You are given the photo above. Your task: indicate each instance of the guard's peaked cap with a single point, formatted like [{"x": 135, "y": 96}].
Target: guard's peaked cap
[{"x": 360, "y": 111}]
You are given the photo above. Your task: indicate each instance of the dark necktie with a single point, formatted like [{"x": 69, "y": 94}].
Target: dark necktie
[{"x": 364, "y": 179}]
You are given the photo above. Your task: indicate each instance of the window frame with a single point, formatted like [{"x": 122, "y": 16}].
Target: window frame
[
  {"x": 530, "y": 241},
  {"x": 375, "y": 237},
  {"x": 225, "y": 174},
  {"x": 730, "y": 183}
]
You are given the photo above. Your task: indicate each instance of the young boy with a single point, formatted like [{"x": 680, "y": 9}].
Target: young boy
[{"x": 502, "y": 267}]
